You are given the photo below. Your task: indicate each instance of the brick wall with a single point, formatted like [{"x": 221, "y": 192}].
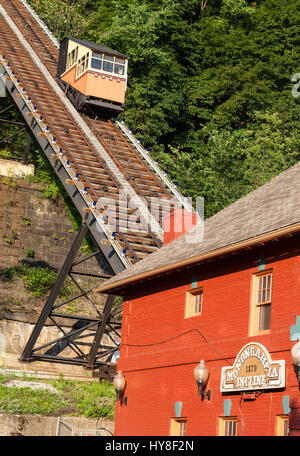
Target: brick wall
[
  {"x": 28, "y": 221},
  {"x": 160, "y": 348}
]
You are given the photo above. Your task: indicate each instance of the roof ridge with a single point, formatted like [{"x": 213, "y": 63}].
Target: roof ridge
[{"x": 96, "y": 46}]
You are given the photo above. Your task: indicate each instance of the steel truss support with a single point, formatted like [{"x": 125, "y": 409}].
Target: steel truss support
[
  {"x": 23, "y": 128},
  {"x": 112, "y": 257},
  {"x": 81, "y": 328},
  {"x": 104, "y": 323}
]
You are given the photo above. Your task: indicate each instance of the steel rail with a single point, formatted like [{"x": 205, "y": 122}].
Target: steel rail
[
  {"x": 46, "y": 124},
  {"x": 126, "y": 188},
  {"x": 40, "y": 22},
  {"x": 135, "y": 154},
  {"x": 185, "y": 203},
  {"x": 157, "y": 170},
  {"x": 126, "y": 174},
  {"x": 94, "y": 168},
  {"x": 137, "y": 201}
]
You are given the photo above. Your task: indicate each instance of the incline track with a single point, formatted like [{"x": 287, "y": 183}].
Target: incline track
[
  {"x": 119, "y": 191},
  {"x": 88, "y": 165},
  {"x": 44, "y": 47},
  {"x": 127, "y": 159}
]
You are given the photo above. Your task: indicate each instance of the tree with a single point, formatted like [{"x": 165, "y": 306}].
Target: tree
[
  {"x": 63, "y": 17},
  {"x": 209, "y": 87}
]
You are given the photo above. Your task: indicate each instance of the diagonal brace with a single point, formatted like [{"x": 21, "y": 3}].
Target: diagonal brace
[
  {"x": 27, "y": 352},
  {"x": 100, "y": 331}
]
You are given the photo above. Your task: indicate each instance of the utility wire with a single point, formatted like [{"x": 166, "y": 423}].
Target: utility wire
[{"x": 176, "y": 337}]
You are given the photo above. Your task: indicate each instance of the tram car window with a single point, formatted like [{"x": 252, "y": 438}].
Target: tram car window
[{"x": 93, "y": 76}]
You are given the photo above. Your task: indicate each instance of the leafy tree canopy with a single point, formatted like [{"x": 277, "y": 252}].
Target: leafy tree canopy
[{"x": 210, "y": 84}]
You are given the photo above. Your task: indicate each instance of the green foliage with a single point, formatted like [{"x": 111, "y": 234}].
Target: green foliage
[
  {"x": 100, "y": 19},
  {"x": 11, "y": 182},
  {"x": 7, "y": 274},
  {"x": 235, "y": 9},
  {"x": 27, "y": 401},
  {"x": 155, "y": 99},
  {"x": 29, "y": 253},
  {"x": 90, "y": 399},
  {"x": 52, "y": 191},
  {"x": 5, "y": 153},
  {"x": 63, "y": 17},
  {"x": 11, "y": 143},
  {"x": 26, "y": 220},
  {"x": 209, "y": 88},
  {"x": 38, "y": 280},
  {"x": 11, "y": 237}
]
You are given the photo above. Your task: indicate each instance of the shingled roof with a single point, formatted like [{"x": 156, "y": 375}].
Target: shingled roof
[
  {"x": 97, "y": 47},
  {"x": 268, "y": 212}
]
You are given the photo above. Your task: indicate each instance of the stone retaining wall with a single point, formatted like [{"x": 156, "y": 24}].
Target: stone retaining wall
[
  {"x": 37, "y": 425},
  {"x": 30, "y": 222}
]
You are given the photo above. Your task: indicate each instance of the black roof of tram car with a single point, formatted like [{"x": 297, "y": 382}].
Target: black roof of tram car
[{"x": 96, "y": 47}]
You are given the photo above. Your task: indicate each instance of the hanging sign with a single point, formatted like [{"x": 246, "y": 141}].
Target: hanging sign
[{"x": 253, "y": 369}]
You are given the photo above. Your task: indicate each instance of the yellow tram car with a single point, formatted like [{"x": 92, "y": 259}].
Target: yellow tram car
[{"x": 93, "y": 76}]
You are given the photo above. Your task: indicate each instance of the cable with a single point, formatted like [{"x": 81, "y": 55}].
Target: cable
[{"x": 176, "y": 337}]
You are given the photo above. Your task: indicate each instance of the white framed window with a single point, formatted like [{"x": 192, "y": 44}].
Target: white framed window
[
  {"x": 83, "y": 64},
  {"x": 72, "y": 58},
  {"x": 261, "y": 303},
  {"x": 194, "y": 302},
  {"x": 228, "y": 426},
  {"x": 108, "y": 64},
  {"x": 282, "y": 425},
  {"x": 178, "y": 426}
]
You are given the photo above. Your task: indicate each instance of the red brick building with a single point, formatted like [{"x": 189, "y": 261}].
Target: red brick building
[{"x": 228, "y": 295}]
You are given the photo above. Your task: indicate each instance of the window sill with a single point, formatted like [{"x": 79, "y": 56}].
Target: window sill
[{"x": 260, "y": 333}]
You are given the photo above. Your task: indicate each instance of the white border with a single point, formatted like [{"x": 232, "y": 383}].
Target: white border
[{"x": 280, "y": 383}]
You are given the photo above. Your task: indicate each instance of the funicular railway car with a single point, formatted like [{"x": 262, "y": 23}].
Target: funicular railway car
[{"x": 92, "y": 75}]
